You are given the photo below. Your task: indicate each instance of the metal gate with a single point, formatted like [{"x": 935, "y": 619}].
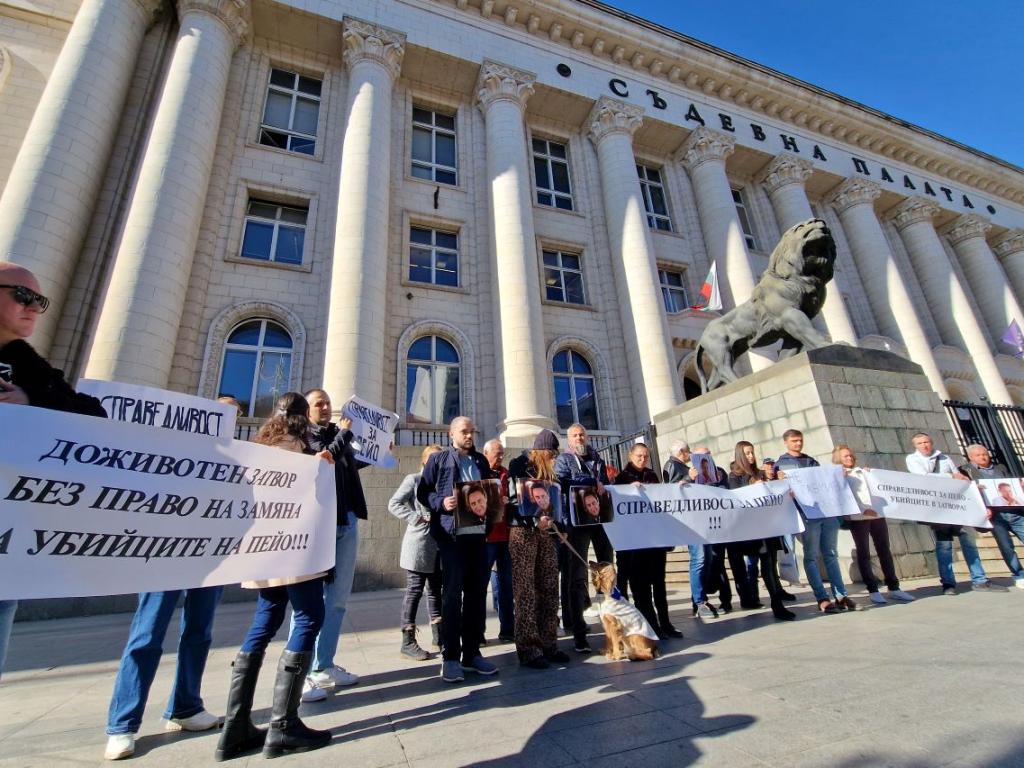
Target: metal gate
[
  {"x": 617, "y": 454},
  {"x": 1000, "y": 428}
]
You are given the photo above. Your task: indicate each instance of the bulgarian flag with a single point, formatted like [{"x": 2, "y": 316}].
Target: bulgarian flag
[
  {"x": 1015, "y": 338},
  {"x": 711, "y": 297}
]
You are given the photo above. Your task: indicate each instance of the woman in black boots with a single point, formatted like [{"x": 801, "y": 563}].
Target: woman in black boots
[{"x": 286, "y": 429}]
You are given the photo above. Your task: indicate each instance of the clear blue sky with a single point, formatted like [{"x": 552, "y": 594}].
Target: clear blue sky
[{"x": 955, "y": 67}]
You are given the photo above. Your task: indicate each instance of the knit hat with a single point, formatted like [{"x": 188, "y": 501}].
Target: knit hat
[{"x": 546, "y": 440}]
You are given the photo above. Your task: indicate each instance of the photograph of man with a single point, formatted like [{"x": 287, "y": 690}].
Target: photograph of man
[
  {"x": 479, "y": 503},
  {"x": 590, "y": 507},
  {"x": 539, "y": 498},
  {"x": 1003, "y": 497}
]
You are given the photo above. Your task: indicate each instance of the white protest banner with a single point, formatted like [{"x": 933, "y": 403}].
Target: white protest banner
[
  {"x": 822, "y": 491},
  {"x": 927, "y": 498},
  {"x": 374, "y": 430},
  {"x": 154, "y": 407},
  {"x": 90, "y": 506},
  {"x": 667, "y": 515}
]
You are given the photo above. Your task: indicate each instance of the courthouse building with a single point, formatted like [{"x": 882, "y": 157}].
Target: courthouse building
[{"x": 502, "y": 209}]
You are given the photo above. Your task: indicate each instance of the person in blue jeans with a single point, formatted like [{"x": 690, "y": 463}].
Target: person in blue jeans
[
  {"x": 925, "y": 460},
  {"x": 820, "y": 537},
  {"x": 1006, "y": 514},
  {"x": 141, "y": 656}
]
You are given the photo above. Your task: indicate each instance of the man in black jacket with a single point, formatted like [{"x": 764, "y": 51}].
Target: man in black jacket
[
  {"x": 27, "y": 379},
  {"x": 337, "y": 438},
  {"x": 1005, "y": 519},
  {"x": 463, "y": 557}
]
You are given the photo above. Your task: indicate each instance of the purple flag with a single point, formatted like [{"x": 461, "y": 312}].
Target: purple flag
[{"x": 1015, "y": 338}]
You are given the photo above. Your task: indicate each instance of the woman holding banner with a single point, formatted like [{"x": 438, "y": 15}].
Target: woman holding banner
[
  {"x": 761, "y": 553},
  {"x": 531, "y": 547},
  {"x": 869, "y": 524},
  {"x": 647, "y": 566},
  {"x": 287, "y": 428}
]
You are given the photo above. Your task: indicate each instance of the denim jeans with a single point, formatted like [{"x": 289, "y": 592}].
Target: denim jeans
[
  {"x": 307, "y": 599},
  {"x": 1003, "y": 524},
  {"x": 698, "y": 563},
  {"x": 336, "y": 593},
  {"x": 944, "y": 555},
  {"x": 7, "y": 611},
  {"x": 141, "y": 656},
  {"x": 501, "y": 585},
  {"x": 820, "y": 538}
]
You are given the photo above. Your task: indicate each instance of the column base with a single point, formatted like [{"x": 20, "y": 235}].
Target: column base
[{"x": 519, "y": 432}]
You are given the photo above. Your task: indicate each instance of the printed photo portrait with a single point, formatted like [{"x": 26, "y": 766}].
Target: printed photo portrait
[
  {"x": 1003, "y": 492},
  {"x": 538, "y": 498},
  {"x": 479, "y": 502},
  {"x": 588, "y": 507},
  {"x": 705, "y": 466}
]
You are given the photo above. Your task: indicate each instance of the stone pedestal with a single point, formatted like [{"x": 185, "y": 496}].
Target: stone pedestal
[{"x": 871, "y": 400}]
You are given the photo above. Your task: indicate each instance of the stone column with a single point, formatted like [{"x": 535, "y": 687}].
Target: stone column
[
  {"x": 138, "y": 324},
  {"x": 1009, "y": 247},
  {"x": 356, "y": 318},
  {"x": 947, "y": 298},
  {"x": 704, "y": 153},
  {"x": 50, "y": 193},
  {"x": 501, "y": 93},
  {"x": 988, "y": 282},
  {"x": 784, "y": 180},
  {"x": 887, "y": 293},
  {"x": 655, "y": 383}
]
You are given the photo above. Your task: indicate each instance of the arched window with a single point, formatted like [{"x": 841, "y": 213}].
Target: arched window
[
  {"x": 257, "y": 366},
  {"x": 432, "y": 381},
  {"x": 575, "y": 396}
]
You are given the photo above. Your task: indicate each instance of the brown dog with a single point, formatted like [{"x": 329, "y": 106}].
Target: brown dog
[{"x": 627, "y": 633}]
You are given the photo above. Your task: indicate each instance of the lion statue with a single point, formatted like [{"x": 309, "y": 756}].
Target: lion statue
[{"x": 790, "y": 293}]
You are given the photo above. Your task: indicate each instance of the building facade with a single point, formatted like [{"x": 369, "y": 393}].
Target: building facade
[{"x": 501, "y": 209}]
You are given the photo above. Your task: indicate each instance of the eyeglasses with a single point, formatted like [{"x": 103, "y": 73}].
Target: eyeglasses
[{"x": 27, "y": 297}]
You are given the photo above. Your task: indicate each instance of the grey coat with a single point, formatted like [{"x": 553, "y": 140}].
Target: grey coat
[{"x": 419, "y": 552}]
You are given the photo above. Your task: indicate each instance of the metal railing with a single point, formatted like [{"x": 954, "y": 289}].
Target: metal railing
[
  {"x": 1000, "y": 428},
  {"x": 616, "y": 453}
]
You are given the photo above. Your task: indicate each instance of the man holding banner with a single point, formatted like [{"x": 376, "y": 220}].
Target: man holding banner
[
  {"x": 338, "y": 439},
  {"x": 1005, "y": 520},
  {"x": 926, "y": 460}
]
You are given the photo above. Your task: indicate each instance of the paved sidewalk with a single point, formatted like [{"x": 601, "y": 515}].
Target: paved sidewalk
[{"x": 933, "y": 683}]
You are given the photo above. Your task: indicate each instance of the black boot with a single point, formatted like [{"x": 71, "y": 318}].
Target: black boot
[
  {"x": 411, "y": 648},
  {"x": 781, "y": 612},
  {"x": 239, "y": 734},
  {"x": 435, "y": 634},
  {"x": 287, "y": 732}
]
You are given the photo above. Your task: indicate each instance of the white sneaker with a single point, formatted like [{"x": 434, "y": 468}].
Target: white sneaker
[
  {"x": 592, "y": 614},
  {"x": 876, "y": 598},
  {"x": 904, "y": 597},
  {"x": 120, "y": 746},
  {"x": 200, "y": 721},
  {"x": 1019, "y": 583},
  {"x": 311, "y": 691},
  {"x": 334, "y": 677}
]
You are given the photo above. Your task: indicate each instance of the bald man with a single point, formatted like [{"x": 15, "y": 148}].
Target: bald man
[{"x": 463, "y": 557}]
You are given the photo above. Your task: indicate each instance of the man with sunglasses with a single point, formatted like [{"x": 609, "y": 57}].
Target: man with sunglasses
[{"x": 26, "y": 378}]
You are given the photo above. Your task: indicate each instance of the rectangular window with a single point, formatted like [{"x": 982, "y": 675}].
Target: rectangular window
[
  {"x": 291, "y": 113},
  {"x": 563, "y": 277},
  {"x": 433, "y": 146},
  {"x": 551, "y": 167},
  {"x": 745, "y": 225},
  {"x": 655, "y": 202},
  {"x": 433, "y": 257},
  {"x": 673, "y": 290},
  {"x": 274, "y": 232}
]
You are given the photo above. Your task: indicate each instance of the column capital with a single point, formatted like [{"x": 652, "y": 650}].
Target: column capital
[
  {"x": 498, "y": 82},
  {"x": 853, "y": 191},
  {"x": 365, "y": 41},
  {"x": 233, "y": 14},
  {"x": 150, "y": 8},
  {"x": 703, "y": 145},
  {"x": 784, "y": 170},
  {"x": 911, "y": 211},
  {"x": 613, "y": 116},
  {"x": 966, "y": 226},
  {"x": 1009, "y": 243}
]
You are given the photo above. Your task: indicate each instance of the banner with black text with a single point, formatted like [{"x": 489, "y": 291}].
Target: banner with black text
[
  {"x": 152, "y": 407},
  {"x": 92, "y": 506},
  {"x": 822, "y": 491},
  {"x": 927, "y": 498}
]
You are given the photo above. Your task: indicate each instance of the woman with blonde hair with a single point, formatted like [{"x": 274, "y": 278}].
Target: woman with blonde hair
[
  {"x": 421, "y": 561},
  {"x": 287, "y": 428},
  {"x": 532, "y": 548},
  {"x": 869, "y": 524}
]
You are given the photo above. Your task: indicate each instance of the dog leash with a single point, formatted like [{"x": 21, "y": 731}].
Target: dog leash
[{"x": 572, "y": 549}]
